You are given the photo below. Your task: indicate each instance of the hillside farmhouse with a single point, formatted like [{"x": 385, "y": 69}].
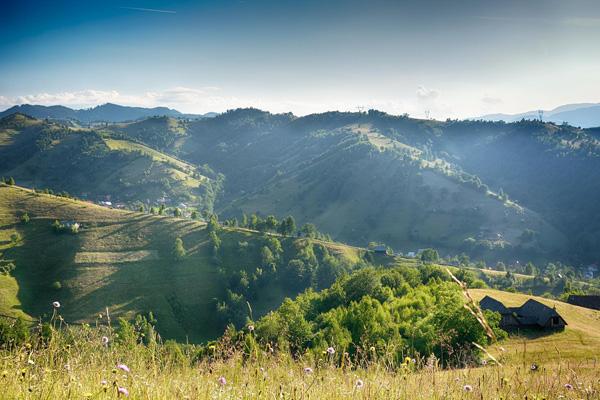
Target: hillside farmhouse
[{"x": 532, "y": 314}]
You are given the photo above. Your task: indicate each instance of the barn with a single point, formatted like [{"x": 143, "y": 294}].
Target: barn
[{"x": 532, "y": 314}]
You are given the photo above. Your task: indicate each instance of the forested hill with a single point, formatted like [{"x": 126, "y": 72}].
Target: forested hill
[{"x": 518, "y": 191}]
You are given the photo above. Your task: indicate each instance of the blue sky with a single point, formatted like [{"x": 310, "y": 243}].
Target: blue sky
[{"x": 453, "y": 58}]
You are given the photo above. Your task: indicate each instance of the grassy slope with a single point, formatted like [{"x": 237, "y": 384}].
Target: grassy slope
[
  {"x": 83, "y": 162},
  {"x": 580, "y": 340},
  {"x": 180, "y": 294},
  {"x": 426, "y": 208}
]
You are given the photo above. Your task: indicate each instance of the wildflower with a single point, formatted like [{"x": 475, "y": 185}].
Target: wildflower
[
  {"x": 534, "y": 367},
  {"x": 55, "y": 304},
  {"x": 251, "y": 328},
  {"x": 407, "y": 360},
  {"x": 122, "y": 391},
  {"x": 30, "y": 362},
  {"x": 468, "y": 388},
  {"x": 308, "y": 370},
  {"x": 104, "y": 382},
  {"x": 484, "y": 362},
  {"x": 330, "y": 350},
  {"x": 372, "y": 349},
  {"x": 222, "y": 381},
  {"x": 568, "y": 386},
  {"x": 105, "y": 340},
  {"x": 123, "y": 367},
  {"x": 359, "y": 384},
  {"x": 67, "y": 367}
]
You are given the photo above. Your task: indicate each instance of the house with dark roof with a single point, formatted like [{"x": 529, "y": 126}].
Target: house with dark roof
[
  {"x": 592, "y": 302},
  {"x": 531, "y": 314}
]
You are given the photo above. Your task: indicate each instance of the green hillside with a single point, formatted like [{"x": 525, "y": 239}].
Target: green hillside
[
  {"x": 491, "y": 190},
  {"x": 124, "y": 261},
  {"x": 91, "y": 164}
]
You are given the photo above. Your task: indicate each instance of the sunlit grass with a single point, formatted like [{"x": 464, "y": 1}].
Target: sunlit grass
[{"x": 76, "y": 364}]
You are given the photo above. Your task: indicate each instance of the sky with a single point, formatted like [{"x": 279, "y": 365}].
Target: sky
[{"x": 450, "y": 59}]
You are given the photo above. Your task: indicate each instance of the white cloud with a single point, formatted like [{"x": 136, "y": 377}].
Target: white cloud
[
  {"x": 424, "y": 94},
  {"x": 492, "y": 101},
  {"x": 183, "y": 98}
]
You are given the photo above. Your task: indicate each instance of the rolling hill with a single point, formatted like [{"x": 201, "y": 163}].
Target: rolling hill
[
  {"x": 92, "y": 164},
  {"x": 124, "y": 261},
  {"x": 492, "y": 190},
  {"x": 104, "y": 113},
  {"x": 585, "y": 115}
]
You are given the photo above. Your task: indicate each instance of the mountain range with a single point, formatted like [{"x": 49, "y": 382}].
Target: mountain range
[
  {"x": 585, "y": 115},
  {"x": 495, "y": 191},
  {"x": 103, "y": 113}
]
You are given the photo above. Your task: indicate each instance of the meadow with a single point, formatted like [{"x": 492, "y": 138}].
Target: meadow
[{"x": 102, "y": 363}]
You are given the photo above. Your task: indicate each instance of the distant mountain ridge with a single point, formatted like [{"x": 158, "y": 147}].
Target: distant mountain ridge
[
  {"x": 584, "y": 115},
  {"x": 108, "y": 112}
]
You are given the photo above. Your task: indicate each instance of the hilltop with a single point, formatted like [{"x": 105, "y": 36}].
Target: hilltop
[
  {"x": 103, "y": 113},
  {"x": 92, "y": 164}
]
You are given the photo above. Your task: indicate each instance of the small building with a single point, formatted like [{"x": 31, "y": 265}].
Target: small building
[
  {"x": 592, "y": 302},
  {"x": 532, "y": 314},
  {"x": 380, "y": 249}
]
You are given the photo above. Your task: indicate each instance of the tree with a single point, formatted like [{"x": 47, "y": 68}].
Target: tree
[
  {"x": 429, "y": 255},
  {"x": 213, "y": 223},
  {"x": 215, "y": 241},
  {"x": 141, "y": 209},
  {"x": 271, "y": 223},
  {"x": 10, "y": 181},
  {"x": 287, "y": 226},
  {"x": 530, "y": 269},
  {"x": 194, "y": 214},
  {"x": 309, "y": 230},
  {"x": 177, "y": 212},
  {"x": 15, "y": 238},
  {"x": 25, "y": 218},
  {"x": 161, "y": 209},
  {"x": 178, "y": 250}
]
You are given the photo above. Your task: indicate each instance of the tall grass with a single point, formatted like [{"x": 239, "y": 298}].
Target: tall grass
[{"x": 77, "y": 363}]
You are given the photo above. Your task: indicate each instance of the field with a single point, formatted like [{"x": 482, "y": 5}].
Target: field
[
  {"x": 121, "y": 260},
  {"x": 76, "y": 364}
]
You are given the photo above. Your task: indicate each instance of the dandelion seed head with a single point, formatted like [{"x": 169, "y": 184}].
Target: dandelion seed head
[
  {"x": 308, "y": 370},
  {"x": 359, "y": 384},
  {"x": 468, "y": 388},
  {"x": 330, "y": 350},
  {"x": 55, "y": 304},
  {"x": 568, "y": 386},
  {"x": 104, "y": 339}
]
